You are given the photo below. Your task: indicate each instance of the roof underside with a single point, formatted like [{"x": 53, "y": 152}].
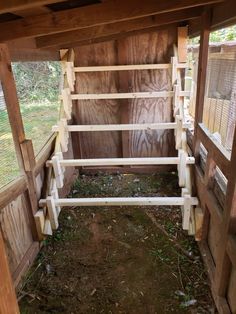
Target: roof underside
[{"x": 45, "y": 26}]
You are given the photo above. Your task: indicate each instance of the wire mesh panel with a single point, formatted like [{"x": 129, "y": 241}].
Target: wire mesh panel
[
  {"x": 38, "y": 91},
  {"x": 219, "y": 113},
  {"x": 8, "y": 162}
]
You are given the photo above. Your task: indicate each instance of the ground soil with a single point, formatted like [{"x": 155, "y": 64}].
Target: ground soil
[{"x": 133, "y": 260}]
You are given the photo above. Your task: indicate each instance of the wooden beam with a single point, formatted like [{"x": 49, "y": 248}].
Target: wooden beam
[
  {"x": 121, "y": 127},
  {"x": 11, "y": 191},
  {"x": 119, "y": 36},
  {"x": 8, "y": 301},
  {"x": 94, "y": 15},
  {"x": 15, "y": 5},
  {"x": 113, "y": 29},
  {"x": 160, "y": 94},
  {"x": 223, "y": 15},
  {"x": 122, "y": 201},
  {"x": 121, "y": 161}
]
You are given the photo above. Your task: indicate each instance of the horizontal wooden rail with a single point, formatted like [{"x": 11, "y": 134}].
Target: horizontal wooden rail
[
  {"x": 129, "y": 67},
  {"x": 122, "y": 161},
  {"x": 161, "y": 94},
  {"x": 121, "y": 127},
  {"x": 122, "y": 201}
]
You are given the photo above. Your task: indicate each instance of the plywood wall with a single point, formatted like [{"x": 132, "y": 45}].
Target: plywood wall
[
  {"x": 15, "y": 227},
  {"x": 156, "y": 47}
]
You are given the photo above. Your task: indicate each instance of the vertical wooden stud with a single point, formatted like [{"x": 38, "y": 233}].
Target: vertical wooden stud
[
  {"x": 52, "y": 212},
  {"x": 67, "y": 102},
  {"x": 182, "y": 43},
  {"x": 58, "y": 172},
  {"x": 174, "y": 62},
  {"x": 182, "y": 168},
  {"x": 186, "y": 208},
  {"x": 201, "y": 78}
]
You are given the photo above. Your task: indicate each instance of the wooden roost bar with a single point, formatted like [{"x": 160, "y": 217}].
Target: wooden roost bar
[{"x": 122, "y": 109}]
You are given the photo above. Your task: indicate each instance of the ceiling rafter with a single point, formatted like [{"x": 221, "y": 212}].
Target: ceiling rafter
[
  {"x": 98, "y": 14},
  {"x": 17, "y": 5},
  {"x": 115, "y": 29}
]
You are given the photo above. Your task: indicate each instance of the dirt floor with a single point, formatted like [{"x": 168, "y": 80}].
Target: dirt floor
[{"x": 133, "y": 260}]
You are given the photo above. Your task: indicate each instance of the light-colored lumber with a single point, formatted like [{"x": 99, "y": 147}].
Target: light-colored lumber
[
  {"x": 67, "y": 102},
  {"x": 58, "y": 172},
  {"x": 47, "y": 227},
  {"x": 121, "y": 127},
  {"x": 116, "y": 162},
  {"x": 198, "y": 223},
  {"x": 183, "y": 161},
  {"x": 40, "y": 222},
  {"x": 122, "y": 201},
  {"x": 128, "y": 67},
  {"x": 52, "y": 212},
  {"x": 174, "y": 62},
  {"x": 186, "y": 209},
  {"x": 161, "y": 94}
]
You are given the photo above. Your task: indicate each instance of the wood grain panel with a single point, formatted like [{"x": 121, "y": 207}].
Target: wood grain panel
[
  {"x": 150, "y": 48},
  {"x": 97, "y": 145},
  {"x": 16, "y": 232},
  {"x": 231, "y": 291}
]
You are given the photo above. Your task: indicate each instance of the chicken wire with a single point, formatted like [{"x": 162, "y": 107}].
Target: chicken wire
[
  {"x": 9, "y": 168},
  {"x": 219, "y": 110}
]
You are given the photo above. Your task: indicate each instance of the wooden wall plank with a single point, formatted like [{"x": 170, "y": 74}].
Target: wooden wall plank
[
  {"x": 231, "y": 291},
  {"x": 8, "y": 301},
  {"x": 14, "y": 222}
]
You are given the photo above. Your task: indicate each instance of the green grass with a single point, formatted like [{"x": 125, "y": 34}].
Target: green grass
[{"x": 38, "y": 119}]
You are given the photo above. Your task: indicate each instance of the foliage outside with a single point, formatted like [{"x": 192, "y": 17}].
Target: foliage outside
[
  {"x": 38, "y": 89},
  {"x": 221, "y": 35}
]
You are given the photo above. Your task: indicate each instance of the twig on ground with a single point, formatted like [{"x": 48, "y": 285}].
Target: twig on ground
[{"x": 170, "y": 237}]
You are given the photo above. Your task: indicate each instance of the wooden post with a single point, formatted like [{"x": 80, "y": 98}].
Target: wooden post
[
  {"x": 223, "y": 266},
  {"x": 8, "y": 301},
  {"x": 182, "y": 43},
  {"x": 202, "y": 72},
  {"x": 10, "y": 95},
  {"x": 29, "y": 166},
  {"x": 24, "y": 149},
  {"x": 201, "y": 82}
]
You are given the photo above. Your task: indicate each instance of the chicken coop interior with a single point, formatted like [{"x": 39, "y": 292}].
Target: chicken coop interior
[{"x": 143, "y": 125}]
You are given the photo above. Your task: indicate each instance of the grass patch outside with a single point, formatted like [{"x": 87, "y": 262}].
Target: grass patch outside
[{"x": 38, "y": 119}]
